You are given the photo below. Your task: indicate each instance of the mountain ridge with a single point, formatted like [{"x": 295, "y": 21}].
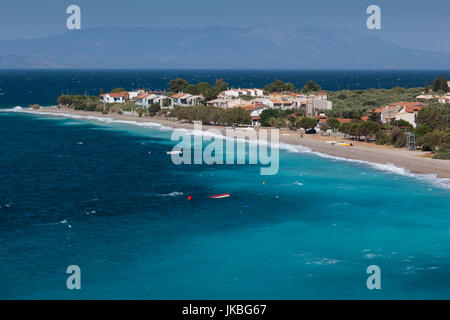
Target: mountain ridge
[{"x": 254, "y": 47}]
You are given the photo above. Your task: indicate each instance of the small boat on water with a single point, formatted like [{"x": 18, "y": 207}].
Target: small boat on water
[
  {"x": 219, "y": 196},
  {"x": 175, "y": 152}
]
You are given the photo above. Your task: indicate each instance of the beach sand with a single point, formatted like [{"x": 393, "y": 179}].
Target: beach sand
[{"x": 413, "y": 161}]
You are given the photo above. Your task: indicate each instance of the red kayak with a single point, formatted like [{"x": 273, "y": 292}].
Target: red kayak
[{"x": 218, "y": 196}]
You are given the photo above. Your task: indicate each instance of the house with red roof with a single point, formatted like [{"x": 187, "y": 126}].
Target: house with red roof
[
  {"x": 114, "y": 97},
  {"x": 344, "y": 120},
  {"x": 402, "y": 111},
  {"x": 255, "y": 110},
  {"x": 186, "y": 99}
]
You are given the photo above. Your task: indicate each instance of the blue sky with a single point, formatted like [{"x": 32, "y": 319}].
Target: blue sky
[{"x": 410, "y": 23}]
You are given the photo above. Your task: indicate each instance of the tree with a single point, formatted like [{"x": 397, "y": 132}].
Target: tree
[
  {"x": 117, "y": 90},
  {"x": 220, "y": 85},
  {"x": 422, "y": 130},
  {"x": 402, "y": 123},
  {"x": 266, "y": 115},
  {"x": 431, "y": 117},
  {"x": 333, "y": 123},
  {"x": 345, "y": 128},
  {"x": 324, "y": 126},
  {"x": 311, "y": 86},
  {"x": 306, "y": 123},
  {"x": 431, "y": 141},
  {"x": 398, "y": 137},
  {"x": 236, "y": 116},
  {"x": 204, "y": 88},
  {"x": 426, "y": 86},
  {"x": 178, "y": 84},
  {"x": 436, "y": 84},
  {"x": 279, "y": 86},
  {"x": 381, "y": 137},
  {"x": 444, "y": 145},
  {"x": 277, "y": 122},
  {"x": 154, "y": 108},
  {"x": 375, "y": 116},
  {"x": 354, "y": 130},
  {"x": 65, "y": 100},
  {"x": 368, "y": 129},
  {"x": 444, "y": 84},
  {"x": 102, "y": 91}
]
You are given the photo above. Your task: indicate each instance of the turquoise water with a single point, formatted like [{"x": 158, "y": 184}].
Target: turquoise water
[{"x": 122, "y": 215}]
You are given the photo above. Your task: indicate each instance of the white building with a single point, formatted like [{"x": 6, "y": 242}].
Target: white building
[
  {"x": 227, "y": 103},
  {"x": 133, "y": 94},
  {"x": 114, "y": 97},
  {"x": 230, "y": 93},
  {"x": 444, "y": 99},
  {"x": 235, "y": 93},
  {"x": 147, "y": 99},
  {"x": 255, "y": 110},
  {"x": 186, "y": 99},
  {"x": 401, "y": 111}
]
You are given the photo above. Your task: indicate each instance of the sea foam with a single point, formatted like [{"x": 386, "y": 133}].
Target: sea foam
[{"x": 388, "y": 167}]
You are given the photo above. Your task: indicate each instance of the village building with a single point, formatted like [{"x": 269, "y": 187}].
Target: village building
[
  {"x": 133, "y": 94},
  {"x": 114, "y": 97},
  {"x": 400, "y": 111},
  {"x": 227, "y": 103},
  {"x": 444, "y": 99},
  {"x": 147, "y": 99},
  {"x": 235, "y": 93},
  {"x": 255, "y": 110},
  {"x": 186, "y": 99}
]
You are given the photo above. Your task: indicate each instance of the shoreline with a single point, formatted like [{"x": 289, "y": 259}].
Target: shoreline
[{"x": 414, "y": 161}]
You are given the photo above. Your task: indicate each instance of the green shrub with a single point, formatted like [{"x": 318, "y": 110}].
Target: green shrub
[
  {"x": 442, "y": 155},
  {"x": 382, "y": 138}
]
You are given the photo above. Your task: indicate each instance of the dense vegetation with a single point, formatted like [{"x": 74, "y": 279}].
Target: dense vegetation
[
  {"x": 212, "y": 115},
  {"x": 280, "y": 86},
  {"x": 204, "y": 88},
  {"x": 355, "y": 103},
  {"x": 440, "y": 84},
  {"x": 79, "y": 102}
]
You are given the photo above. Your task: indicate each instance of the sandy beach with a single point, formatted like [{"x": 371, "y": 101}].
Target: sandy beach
[{"x": 414, "y": 161}]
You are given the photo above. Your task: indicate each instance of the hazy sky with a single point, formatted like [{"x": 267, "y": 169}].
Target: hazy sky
[{"x": 411, "y": 23}]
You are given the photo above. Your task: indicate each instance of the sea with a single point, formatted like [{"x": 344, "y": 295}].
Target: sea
[{"x": 104, "y": 196}]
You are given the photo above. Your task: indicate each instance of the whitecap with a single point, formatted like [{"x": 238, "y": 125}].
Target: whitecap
[
  {"x": 172, "y": 194},
  {"x": 388, "y": 167},
  {"x": 371, "y": 256}
]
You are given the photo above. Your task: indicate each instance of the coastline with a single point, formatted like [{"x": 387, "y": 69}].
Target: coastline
[{"x": 414, "y": 161}]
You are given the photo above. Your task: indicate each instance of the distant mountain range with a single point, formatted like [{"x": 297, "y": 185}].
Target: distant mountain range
[{"x": 256, "y": 47}]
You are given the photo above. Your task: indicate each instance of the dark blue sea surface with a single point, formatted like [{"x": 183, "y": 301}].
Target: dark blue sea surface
[
  {"x": 88, "y": 193},
  {"x": 25, "y": 87}
]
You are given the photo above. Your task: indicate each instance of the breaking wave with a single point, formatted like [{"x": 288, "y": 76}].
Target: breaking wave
[{"x": 388, "y": 167}]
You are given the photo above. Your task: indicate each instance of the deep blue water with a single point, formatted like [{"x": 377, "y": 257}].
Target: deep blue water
[
  {"x": 86, "y": 192},
  {"x": 25, "y": 87},
  {"x": 122, "y": 215}
]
